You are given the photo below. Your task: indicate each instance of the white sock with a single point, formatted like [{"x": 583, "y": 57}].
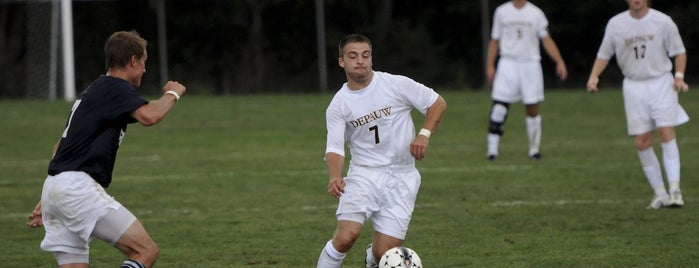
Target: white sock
[
  {"x": 671, "y": 161},
  {"x": 132, "y": 264},
  {"x": 493, "y": 142},
  {"x": 534, "y": 133},
  {"x": 370, "y": 260},
  {"x": 330, "y": 257},
  {"x": 651, "y": 167}
]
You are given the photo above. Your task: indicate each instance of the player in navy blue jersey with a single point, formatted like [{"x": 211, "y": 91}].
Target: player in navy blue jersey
[{"x": 74, "y": 206}]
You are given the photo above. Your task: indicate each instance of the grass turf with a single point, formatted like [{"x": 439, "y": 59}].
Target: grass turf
[{"x": 239, "y": 181}]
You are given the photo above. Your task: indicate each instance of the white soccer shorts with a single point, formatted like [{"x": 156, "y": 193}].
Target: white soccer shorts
[
  {"x": 652, "y": 103},
  {"x": 518, "y": 80},
  {"x": 72, "y": 203},
  {"x": 384, "y": 195}
]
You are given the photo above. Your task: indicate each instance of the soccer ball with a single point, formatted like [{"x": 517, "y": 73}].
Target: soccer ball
[{"x": 400, "y": 257}]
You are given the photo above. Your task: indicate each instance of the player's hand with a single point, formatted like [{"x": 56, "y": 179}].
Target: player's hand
[
  {"x": 336, "y": 187},
  {"x": 175, "y": 86},
  {"x": 680, "y": 85},
  {"x": 592, "y": 84},
  {"x": 419, "y": 146},
  {"x": 490, "y": 73},
  {"x": 561, "y": 71},
  {"x": 35, "y": 219}
]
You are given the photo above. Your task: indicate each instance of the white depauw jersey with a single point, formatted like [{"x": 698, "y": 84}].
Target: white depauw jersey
[
  {"x": 519, "y": 30},
  {"x": 376, "y": 121},
  {"x": 642, "y": 46}
]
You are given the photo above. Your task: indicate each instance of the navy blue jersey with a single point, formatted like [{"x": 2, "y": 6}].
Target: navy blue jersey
[{"x": 95, "y": 129}]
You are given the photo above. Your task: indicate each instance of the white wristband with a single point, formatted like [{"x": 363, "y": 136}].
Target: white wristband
[
  {"x": 425, "y": 132},
  {"x": 173, "y": 93},
  {"x": 679, "y": 75}
]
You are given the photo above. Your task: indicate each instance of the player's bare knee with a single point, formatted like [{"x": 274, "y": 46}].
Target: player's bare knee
[
  {"x": 146, "y": 254},
  {"x": 343, "y": 241},
  {"x": 151, "y": 252}
]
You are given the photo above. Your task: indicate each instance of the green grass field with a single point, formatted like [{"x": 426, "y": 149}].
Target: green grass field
[{"x": 239, "y": 181}]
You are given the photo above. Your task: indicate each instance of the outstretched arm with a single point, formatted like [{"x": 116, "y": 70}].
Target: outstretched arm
[
  {"x": 433, "y": 118},
  {"x": 154, "y": 111}
]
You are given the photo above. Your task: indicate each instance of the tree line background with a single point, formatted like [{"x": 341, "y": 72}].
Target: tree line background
[{"x": 269, "y": 46}]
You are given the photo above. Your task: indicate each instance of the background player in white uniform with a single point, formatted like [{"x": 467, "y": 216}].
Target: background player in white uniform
[
  {"x": 372, "y": 113},
  {"x": 74, "y": 206},
  {"x": 642, "y": 39},
  {"x": 517, "y": 28}
]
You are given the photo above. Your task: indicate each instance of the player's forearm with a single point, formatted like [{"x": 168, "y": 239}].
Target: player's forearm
[
  {"x": 598, "y": 67},
  {"x": 154, "y": 111},
  {"x": 434, "y": 115},
  {"x": 552, "y": 50},
  {"x": 55, "y": 148},
  {"x": 335, "y": 163},
  {"x": 680, "y": 63},
  {"x": 492, "y": 53}
]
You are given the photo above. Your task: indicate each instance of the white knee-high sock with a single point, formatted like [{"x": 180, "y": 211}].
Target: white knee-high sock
[
  {"x": 493, "y": 142},
  {"x": 330, "y": 257},
  {"x": 651, "y": 167},
  {"x": 534, "y": 133},
  {"x": 671, "y": 161}
]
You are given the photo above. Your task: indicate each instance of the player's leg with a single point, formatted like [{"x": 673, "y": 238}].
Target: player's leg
[
  {"x": 652, "y": 170},
  {"x": 121, "y": 229},
  {"x": 380, "y": 244},
  {"x": 640, "y": 124},
  {"x": 496, "y": 127},
  {"x": 69, "y": 260},
  {"x": 345, "y": 236},
  {"x": 392, "y": 220},
  {"x": 71, "y": 204},
  {"x": 533, "y": 94},
  {"x": 506, "y": 90},
  {"x": 667, "y": 114},
  {"x": 533, "y": 123},
  {"x": 671, "y": 162}
]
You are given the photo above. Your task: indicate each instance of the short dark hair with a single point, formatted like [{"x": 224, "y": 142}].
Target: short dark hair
[
  {"x": 120, "y": 46},
  {"x": 352, "y": 38}
]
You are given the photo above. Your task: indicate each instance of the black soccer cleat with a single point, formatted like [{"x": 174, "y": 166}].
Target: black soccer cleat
[{"x": 536, "y": 156}]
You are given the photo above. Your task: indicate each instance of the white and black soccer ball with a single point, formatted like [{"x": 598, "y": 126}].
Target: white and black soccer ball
[{"x": 400, "y": 257}]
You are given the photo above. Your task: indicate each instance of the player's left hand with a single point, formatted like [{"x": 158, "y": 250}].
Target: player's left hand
[
  {"x": 35, "y": 220},
  {"x": 419, "y": 146},
  {"x": 562, "y": 71},
  {"x": 336, "y": 187},
  {"x": 681, "y": 86}
]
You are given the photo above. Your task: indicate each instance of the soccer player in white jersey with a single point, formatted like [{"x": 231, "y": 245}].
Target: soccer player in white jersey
[
  {"x": 372, "y": 114},
  {"x": 643, "y": 40},
  {"x": 518, "y": 26}
]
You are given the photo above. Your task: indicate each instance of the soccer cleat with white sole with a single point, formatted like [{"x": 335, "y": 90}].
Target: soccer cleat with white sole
[
  {"x": 676, "y": 199},
  {"x": 658, "y": 202}
]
